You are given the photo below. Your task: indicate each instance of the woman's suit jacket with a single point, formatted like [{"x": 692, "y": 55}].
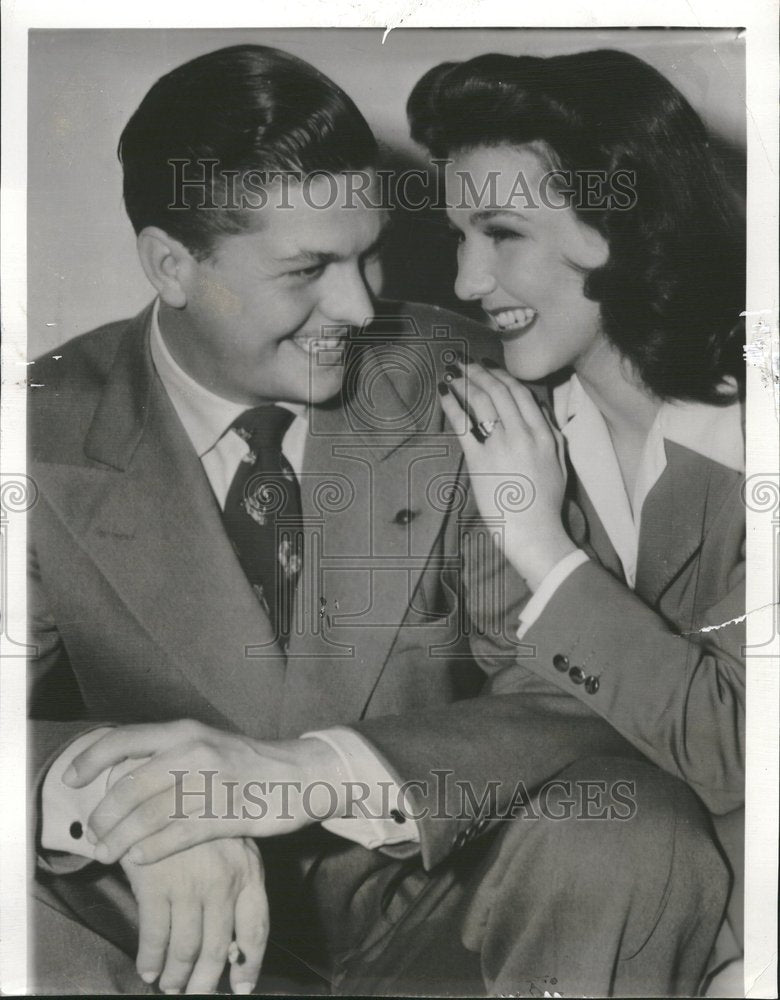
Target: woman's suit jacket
[{"x": 669, "y": 656}]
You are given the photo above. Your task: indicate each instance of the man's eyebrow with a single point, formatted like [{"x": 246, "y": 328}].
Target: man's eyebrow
[{"x": 311, "y": 258}]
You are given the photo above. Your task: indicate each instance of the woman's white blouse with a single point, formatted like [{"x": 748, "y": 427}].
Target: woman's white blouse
[{"x": 712, "y": 431}]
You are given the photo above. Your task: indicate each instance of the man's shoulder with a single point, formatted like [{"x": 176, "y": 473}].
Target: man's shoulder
[
  {"x": 439, "y": 325},
  {"x": 82, "y": 359},
  {"x": 68, "y": 383}
]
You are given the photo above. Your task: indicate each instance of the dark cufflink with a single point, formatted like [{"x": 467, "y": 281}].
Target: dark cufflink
[
  {"x": 577, "y": 674},
  {"x": 591, "y": 684},
  {"x": 561, "y": 662},
  {"x": 397, "y": 817},
  {"x": 404, "y": 516},
  {"x": 76, "y": 830}
]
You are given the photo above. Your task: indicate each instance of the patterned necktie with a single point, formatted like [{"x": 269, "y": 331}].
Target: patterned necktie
[{"x": 262, "y": 515}]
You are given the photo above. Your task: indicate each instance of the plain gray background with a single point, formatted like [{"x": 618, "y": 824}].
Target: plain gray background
[{"x": 84, "y": 85}]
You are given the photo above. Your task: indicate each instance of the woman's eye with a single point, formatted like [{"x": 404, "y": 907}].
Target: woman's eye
[{"x": 499, "y": 233}]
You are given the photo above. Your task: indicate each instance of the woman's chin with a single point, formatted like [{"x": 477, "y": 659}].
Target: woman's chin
[{"x": 526, "y": 369}]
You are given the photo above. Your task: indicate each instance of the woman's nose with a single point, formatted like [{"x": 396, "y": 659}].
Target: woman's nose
[{"x": 475, "y": 279}]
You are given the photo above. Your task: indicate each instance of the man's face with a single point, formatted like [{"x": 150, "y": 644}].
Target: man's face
[{"x": 268, "y": 311}]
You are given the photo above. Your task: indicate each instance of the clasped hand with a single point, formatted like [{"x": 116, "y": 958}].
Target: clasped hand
[
  {"x": 200, "y": 784},
  {"x": 517, "y": 473}
]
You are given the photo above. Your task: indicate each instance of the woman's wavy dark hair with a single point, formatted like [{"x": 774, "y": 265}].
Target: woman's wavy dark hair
[{"x": 673, "y": 288}]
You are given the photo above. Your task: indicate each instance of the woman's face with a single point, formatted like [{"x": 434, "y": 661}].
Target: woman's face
[{"x": 524, "y": 259}]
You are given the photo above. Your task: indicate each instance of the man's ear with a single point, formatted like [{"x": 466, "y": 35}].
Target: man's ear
[{"x": 167, "y": 264}]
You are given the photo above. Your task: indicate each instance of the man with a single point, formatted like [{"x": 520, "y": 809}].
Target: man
[{"x": 256, "y": 558}]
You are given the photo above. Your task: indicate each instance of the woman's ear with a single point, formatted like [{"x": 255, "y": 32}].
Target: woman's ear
[
  {"x": 167, "y": 264},
  {"x": 592, "y": 248}
]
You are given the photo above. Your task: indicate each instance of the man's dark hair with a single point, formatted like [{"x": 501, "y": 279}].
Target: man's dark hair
[
  {"x": 250, "y": 108},
  {"x": 674, "y": 286}
]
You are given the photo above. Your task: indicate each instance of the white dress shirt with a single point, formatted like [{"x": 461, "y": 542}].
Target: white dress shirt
[
  {"x": 376, "y": 820},
  {"x": 712, "y": 431}
]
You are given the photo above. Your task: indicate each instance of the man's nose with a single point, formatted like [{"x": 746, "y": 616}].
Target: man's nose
[
  {"x": 475, "y": 279},
  {"x": 347, "y": 298}
]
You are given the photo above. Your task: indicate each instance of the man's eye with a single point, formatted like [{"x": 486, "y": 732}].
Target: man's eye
[{"x": 308, "y": 272}]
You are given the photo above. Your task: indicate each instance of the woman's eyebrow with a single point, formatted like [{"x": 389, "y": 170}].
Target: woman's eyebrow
[{"x": 488, "y": 214}]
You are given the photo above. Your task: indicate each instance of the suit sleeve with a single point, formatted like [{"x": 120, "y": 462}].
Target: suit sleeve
[
  {"x": 678, "y": 696},
  {"x": 57, "y": 713}
]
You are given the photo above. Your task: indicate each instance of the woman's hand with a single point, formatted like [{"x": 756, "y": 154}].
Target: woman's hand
[
  {"x": 191, "y": 906},
  {"x": 517, "y": 471}
]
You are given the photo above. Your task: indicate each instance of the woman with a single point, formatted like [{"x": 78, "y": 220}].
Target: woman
[{"x": 605, "y": 250}]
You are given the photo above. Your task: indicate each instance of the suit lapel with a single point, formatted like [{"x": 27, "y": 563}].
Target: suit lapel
[
  {"x": 677, "y": 516},
  {"x": 150, "y": 521},
  {"x": 373, "y": 513}
]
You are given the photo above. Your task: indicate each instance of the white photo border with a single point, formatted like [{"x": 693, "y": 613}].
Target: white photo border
[{"x": 759, "y": 19}]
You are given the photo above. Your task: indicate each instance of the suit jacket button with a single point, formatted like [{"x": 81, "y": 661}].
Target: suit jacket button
[
  {"x": 591, "y": 684},
  {"x": 577, "y": 675},
  {"x": 76, "y": 830},
  {"x": 404, "y": 516},
  {"x": 561, "y": 662}
]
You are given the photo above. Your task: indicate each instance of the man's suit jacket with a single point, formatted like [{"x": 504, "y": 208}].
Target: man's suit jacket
[{"x": 142, "y": 613}]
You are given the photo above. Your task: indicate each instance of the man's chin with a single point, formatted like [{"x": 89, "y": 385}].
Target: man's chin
[{"x": 325, "y": 385}]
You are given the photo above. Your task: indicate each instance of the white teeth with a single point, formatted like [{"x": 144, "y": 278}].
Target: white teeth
[
  {"x": 514, "y": 319},
  {"x": 309, "y": 344}
]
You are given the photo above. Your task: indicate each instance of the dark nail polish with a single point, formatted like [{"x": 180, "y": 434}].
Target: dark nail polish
[
  {"x": 240, "y": 957},
  {"x": 489, "y": 363},
  {"x": 443, "y": 388},
  {"x": 452, "y": 371}
]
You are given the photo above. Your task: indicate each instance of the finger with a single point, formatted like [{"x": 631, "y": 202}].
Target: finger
[
  {"x": 252, "y": 927},
  {"x": 474, "y": 400},
  {"x": 177, "y": 836},
  {"x": 143, "y": 822},
  {"x": 506, "y": 409},
  {"x": 217, "y": 935},
  {"x": 184, "y": 947},
  {"x": 523, "y": 398},
  {"x": 126, "y": 741},
  {"x": 154, "y": 927},
  {"x": 161, "y": 775},
  {"x": 460, "y": 422}
]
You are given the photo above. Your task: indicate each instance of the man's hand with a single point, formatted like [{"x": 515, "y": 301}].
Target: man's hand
[
  {"x": 203, "y": 784},
  {"x": 190, "y": 906}
]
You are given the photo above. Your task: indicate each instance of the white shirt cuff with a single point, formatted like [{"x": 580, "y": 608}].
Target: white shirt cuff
[
  {"x": 374, "y": 815},
  {"x": 538, "y": 601},
  {"x": 66, "y": 810}
]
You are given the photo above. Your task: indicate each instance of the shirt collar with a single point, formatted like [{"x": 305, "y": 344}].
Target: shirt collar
[
  {"x": 206, "y": 417},
  {"x": 715, "y": 432}
]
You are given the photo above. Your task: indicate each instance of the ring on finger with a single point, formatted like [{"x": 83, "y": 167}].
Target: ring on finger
[{"x": 486, "y": 427}]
